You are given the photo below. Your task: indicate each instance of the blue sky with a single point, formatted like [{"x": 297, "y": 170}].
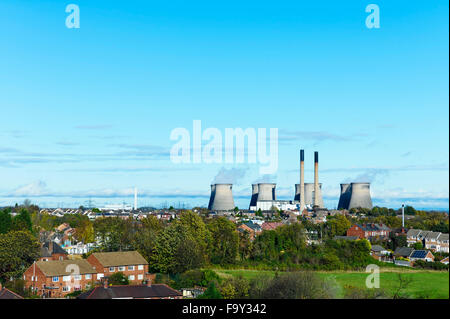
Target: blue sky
[{"x": 87, "y": 113}]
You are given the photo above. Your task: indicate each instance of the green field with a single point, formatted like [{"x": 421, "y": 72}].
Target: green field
[{"x": 425, "y": 284}]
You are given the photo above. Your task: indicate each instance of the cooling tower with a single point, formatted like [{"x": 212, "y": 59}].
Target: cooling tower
[
  {"x": 266, "y": 191},
  {"x": 254, "y": 195},
  {"x": 297, "y": 192},
  {"x": 221, "y": 197},
  {"x": 309, "y": 195},
  {"x": 211, "y": 198},
  {"x": 344, "y": 199},
  {"x": 360, "y": 196}
]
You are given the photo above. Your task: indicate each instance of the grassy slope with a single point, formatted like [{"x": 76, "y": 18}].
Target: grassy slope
[{"x": 425, "y": 284}]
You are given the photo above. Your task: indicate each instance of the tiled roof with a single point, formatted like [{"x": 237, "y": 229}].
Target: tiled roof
[
  {"x": 8, "y": 294},
  {"x": 45, "y": 249},
  {"x": 138, "y": 291},
  {"x": 413, "y": 232},
  {"x": 120, "y": 258},
  {"x": 253, "y": 226},
  {"x": 432, "y": 235},
  {"x": 404, "y": 251},
  {"x": 377, "y": 248},
  {"x": 373, "y": 227},
  {"x": 65, "y": 267}
]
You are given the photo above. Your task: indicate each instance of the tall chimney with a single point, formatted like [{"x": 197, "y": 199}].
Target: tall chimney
[
  {"x": 316, "y": 179},
  {"x": 403, "y": 216},
  {"x": 302, "y": 180}
]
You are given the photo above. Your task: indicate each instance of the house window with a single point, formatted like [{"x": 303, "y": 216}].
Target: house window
[
  {"x": 140, "y": 277},
  {"x": 88, "y": 276},
  {"x": 55, "y": 279},
  {"x": 112, "y": 269},
  {"x": 131, "y": 277},
  {"x": 130, "y": 267},
  {"x": 77, "y": 277},
  {"x": 66, "y": 278},
  {"x": 99, "y": 276},
  {"x": 141, "y": 267},
  {"x": 121, "y": 268},
  {"x": 66, "y": 288}
]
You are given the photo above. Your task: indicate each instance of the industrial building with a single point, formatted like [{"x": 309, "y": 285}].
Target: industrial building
[{"x": 264, "y": 196}]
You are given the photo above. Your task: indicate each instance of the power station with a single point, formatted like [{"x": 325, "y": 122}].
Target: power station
[{"x": 307, "y": 195}]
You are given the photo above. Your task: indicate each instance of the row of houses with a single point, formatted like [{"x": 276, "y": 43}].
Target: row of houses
[
  {"x": 55, "y": 278},
  {"x": 369, "y": 231},
  {"x": 435, "y": 241}
]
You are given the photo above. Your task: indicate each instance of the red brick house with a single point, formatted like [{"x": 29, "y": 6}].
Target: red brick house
[
  {"x": 57, "y": 278},
  {"x": 130, "y": 263},
  {"x": 250, "y": 228},
  {"x": 368, "y": 231}
]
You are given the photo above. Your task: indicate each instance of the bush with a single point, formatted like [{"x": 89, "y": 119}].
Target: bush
[
  {"x": 298, "y": 285},
  {"x": 364, "y": 293}
]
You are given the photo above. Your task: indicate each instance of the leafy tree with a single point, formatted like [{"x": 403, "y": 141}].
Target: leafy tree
[
  {"x": 418, "y": 245},
  {"x": 114, "y": 233},
  {"x": 225, "y": 241},
  {"x": 241, "y": 287},
  {"x": 337, "y": 225},
  {"x": 179, "y": 247},
  {"x": 196, "y": 228},
  {"x": 189, "y": 255},
  {"x": 5, "y": 220},
  {"x": 409, "y": 210},
  {"x": 245, "y": 245},
  {"x": 85, "y": 231},
  {"x": 18, "y": 250},
  {"x": 211, "y": 292},
  {"x": 118, "y": 278},
  {"x": 144, "y": 240},
  {"x": 22, "y": 221},
  {"x": 397, "y": 241},
  {"x": 228, "y": 291}
]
